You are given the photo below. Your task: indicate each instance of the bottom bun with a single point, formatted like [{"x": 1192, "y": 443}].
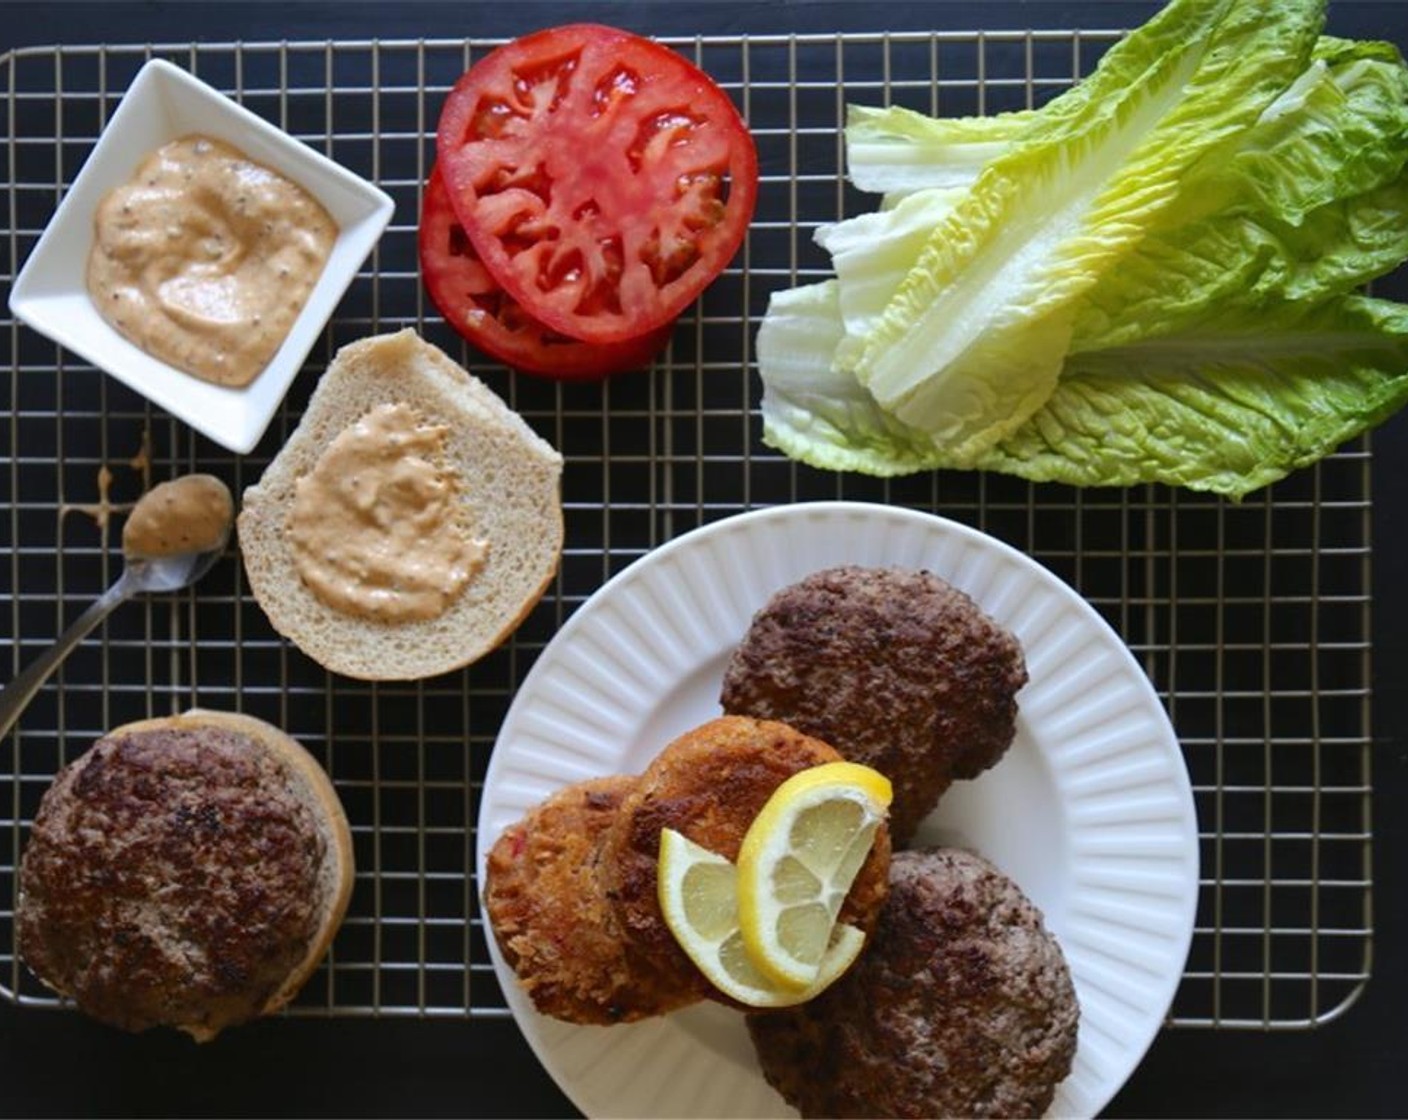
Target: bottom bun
[{"x": 188, "y": 871}]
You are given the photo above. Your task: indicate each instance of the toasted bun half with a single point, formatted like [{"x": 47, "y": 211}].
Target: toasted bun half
[
  {"x": 509, "y": 477},
  {"x": 189, "y": 871}
]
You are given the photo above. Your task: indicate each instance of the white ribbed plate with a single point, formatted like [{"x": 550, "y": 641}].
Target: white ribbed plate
[{"x": 1090, "y": 811}]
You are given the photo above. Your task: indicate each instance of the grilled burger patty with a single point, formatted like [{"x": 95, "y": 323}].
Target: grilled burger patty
[
  {"x": 961, "y": 1005},
  {"x": 894, "y": 668},
  {"x": 184, "y": 873}
]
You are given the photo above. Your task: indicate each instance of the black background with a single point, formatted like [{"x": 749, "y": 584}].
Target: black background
[{"x": 60, "y": 1064}]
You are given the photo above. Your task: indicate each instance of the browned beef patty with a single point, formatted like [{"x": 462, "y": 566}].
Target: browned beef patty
[
  {"x": 172, "y": 878},
  {"x": 894, "y": 668},
  {"x": 961, "y": 1005}
]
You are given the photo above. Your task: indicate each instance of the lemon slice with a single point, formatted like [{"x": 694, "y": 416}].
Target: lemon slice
[
  {"x": 698, "y": 896},
  {"x": 798, "y": 860}
]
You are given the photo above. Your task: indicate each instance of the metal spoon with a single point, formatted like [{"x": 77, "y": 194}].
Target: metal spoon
[{"x": 168, "y": 554}]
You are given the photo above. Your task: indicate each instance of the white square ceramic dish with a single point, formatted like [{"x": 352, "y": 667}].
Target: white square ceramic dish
[{"x": 164, "y": 103}]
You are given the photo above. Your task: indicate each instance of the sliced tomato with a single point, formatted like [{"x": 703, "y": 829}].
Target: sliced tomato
[
  {"x": 603, "y": 179},
  {"x": 474, "y": 304}
]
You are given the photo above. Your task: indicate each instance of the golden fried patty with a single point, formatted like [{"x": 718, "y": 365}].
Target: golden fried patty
[
  {"x": 549, "y": 913},
  {"x": 709, "y": 784}
]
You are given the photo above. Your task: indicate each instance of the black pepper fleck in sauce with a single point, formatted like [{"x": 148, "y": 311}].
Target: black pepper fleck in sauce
[
  {"x": 189, "y": 514},
  {"x": 211, "y": 254}
]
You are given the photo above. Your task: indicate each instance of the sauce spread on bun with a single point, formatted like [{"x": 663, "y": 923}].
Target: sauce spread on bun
[{"x": 377, "y": 526}]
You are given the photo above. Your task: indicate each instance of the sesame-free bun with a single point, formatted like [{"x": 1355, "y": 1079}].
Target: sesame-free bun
[
  {"x": 509, "y": 478},
  {"x": 189, "y": 871}
]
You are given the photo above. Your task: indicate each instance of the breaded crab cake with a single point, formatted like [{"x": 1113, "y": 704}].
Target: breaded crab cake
[
  {"x": 709, "y": 784},
  {"x": 546, "y": 903}
]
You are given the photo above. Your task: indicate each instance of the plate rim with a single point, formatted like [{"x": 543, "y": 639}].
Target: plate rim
[{"x": 518, "y": 1004}]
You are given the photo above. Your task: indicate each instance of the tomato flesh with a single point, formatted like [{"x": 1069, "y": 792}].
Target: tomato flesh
[
  {"x": 489, "y": 318},
  {"x": 603, "y": 179}
]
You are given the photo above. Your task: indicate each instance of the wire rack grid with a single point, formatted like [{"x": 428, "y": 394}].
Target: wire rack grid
[{"x": 1252, "y": 619}]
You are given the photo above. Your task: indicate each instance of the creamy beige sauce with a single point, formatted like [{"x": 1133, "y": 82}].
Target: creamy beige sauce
[
  {"x": 189, "y": 514},
  {"x": 377, "y": 527},
  {"x": 205, "y": 258}
]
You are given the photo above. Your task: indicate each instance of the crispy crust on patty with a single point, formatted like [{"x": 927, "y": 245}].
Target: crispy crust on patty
[
  {"x": 894, "y": 668},
  {"x": 709, "y": 784},
  {"x": 961, "y": 1005},
  {"x": 551, "y": 918}
]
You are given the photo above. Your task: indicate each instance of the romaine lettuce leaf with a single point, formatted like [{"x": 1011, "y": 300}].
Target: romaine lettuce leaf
[
  {"x": 873, "y": 253},
  {"x": 1228, "y": 408},
  {"x": 813, "y": 410},
  {"x": 897, "y": 150},
  {"x": 1339, "y": 130},
  {"x": 973, "y": 342},
  {"x": 1223, "y": 350},
  {"x": 1309, "y": 203},
  {"x": 1242, "y": 262}
]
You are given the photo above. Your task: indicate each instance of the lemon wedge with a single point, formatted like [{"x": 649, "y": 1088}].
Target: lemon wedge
[
  {"x": 698, "y": 897},
  {"x": 798, "y": 860}
]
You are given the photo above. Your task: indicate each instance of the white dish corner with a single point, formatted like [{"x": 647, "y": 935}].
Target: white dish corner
[{"x": 50, "y": 295}]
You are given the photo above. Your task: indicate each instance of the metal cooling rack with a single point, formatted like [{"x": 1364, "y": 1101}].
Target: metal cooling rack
[{"x": 1251, "y": 619}]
